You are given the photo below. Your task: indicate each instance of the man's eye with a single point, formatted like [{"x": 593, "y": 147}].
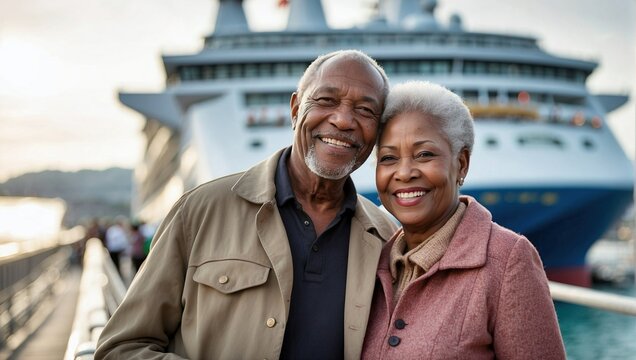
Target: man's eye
[
  {"x": 366, "y": 111},
  {"x": 325, "y": 101}
]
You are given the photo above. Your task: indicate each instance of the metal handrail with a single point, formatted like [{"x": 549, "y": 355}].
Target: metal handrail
[
  {"x": 593, "y": 298},
  {"x": 100, "y": 285},
  {"x": 28, "y": 296},
  {"x": 102, "y": 290}
]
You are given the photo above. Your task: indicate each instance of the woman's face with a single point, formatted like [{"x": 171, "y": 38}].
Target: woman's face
[{"x": 417, "y": 175}]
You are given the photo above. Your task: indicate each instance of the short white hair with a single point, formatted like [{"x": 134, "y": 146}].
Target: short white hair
[
  {"x": 350, "y": 54},
  {"x": 444, "y": 106}
]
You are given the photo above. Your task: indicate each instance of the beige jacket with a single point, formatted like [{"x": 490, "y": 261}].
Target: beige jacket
[{"x": 218, "y": 281}]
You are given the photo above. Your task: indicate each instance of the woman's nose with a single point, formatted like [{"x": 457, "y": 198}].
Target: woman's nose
[{"x": 406, "y": 171}]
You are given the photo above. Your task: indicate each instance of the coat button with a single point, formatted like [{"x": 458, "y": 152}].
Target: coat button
[
  {"x": 315, "y": 248},
  {"x": 400, "y": 324},
  {"x": 394, "y": 341},
  {"x": 306, "y": 222},
  {"x": 271, "y": 322},
  {"x": 223, "y": 279}
]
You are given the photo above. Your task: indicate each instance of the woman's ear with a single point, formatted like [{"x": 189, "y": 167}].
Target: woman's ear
[
  {"x": 464, "y": 162},
  {"x": 294, "y": 103}
]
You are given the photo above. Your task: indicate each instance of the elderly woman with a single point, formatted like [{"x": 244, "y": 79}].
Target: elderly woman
[{"x": 452, "y": 284}]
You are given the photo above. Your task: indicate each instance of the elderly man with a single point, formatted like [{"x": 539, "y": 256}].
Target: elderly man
[{"x": 278, "y": 261}]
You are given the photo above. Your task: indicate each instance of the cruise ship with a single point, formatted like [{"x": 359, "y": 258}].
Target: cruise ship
[{"x": 545, "y": 163}]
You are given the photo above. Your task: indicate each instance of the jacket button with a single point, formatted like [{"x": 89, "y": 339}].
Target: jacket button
[
  {"x": 223, "y": 279},
  {"x": 271, "y": 322},
  {"x": 400, "y": 324},
  {"x": 394, "y": 341},
  {"x": 315, "y": 248}
]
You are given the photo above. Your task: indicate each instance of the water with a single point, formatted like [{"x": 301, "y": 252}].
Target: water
[{"x": 596, "y": 334}]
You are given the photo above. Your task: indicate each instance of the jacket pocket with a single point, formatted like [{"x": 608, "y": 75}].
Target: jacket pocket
[{"x": 230, "y": 276}]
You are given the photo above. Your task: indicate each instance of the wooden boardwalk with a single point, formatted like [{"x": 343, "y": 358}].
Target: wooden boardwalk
[{"x": 51, "y": 337}]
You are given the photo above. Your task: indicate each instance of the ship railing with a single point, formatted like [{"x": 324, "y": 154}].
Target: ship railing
[
  {"x": 593, "y": 298},
  {"x": 101, "y": 291},
  {"x": 28, "y": 283}
]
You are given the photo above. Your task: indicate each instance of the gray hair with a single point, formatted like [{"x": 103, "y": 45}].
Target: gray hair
[
  {"x": 357, "y": 55},
  {"x": 441, "y": 104}
]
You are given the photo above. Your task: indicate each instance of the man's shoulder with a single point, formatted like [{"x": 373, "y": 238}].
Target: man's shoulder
[
  {"x": 375, "y": 218},
  {"x": 213, "y": 190}
]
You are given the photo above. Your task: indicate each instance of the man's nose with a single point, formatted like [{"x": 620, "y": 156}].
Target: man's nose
[{"x": 343, "y": 117}]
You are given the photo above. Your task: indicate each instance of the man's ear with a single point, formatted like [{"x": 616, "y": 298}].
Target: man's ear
[{"x": 294, "y": 103}]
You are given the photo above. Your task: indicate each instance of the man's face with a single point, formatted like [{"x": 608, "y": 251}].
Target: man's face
[{"x": 336, "y": 118}]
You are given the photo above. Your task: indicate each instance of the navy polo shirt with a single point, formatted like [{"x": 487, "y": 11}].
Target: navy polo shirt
[{"x": 315, "y": 326}]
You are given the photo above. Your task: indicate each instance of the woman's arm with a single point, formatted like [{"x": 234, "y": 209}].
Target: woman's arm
[{"x": 526, "y": 326}]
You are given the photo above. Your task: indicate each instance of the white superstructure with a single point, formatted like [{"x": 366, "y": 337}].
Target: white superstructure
[{"x": 541, "y": 141}]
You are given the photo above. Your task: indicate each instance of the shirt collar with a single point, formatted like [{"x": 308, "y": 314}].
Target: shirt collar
[
  {"x": 430, "y": 251},
  {"x": 285, "y": 193}
]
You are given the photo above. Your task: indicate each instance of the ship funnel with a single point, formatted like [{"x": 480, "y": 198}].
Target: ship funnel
[
  {"x": 230, "y": 18},
  {"x": 411, "y": 14},
  {"x": 456, "y": 23},
  {"x": 306, "y": 15},
  {"x": 424, "y": 19}
]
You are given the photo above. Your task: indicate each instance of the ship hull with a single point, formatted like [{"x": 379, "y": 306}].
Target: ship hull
[{"x": 561, "y": 222}]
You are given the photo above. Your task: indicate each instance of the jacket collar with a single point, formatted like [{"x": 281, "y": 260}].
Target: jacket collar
[
  {"x": 257, "y": 185},
  {"x": 469, "y": 245}
]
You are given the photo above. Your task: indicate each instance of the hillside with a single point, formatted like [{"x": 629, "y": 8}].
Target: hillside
[{"x": 88, "y": 193}]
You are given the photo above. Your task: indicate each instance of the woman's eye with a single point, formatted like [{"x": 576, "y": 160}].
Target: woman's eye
[
  {"x": 424, "y": 154},
  {"x": 386, "y": 158}
]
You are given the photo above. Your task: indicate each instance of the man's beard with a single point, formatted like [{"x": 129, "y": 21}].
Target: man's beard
[{"x": 332, "y": 174}]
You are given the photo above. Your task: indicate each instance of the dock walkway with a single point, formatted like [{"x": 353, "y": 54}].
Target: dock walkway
[{"x": 50, "y": 339}]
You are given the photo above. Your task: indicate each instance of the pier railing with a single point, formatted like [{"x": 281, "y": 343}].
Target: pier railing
[
  {"x": 28, "y": 284},
  {"x": 102, "y": 290},
  {"x": 593, "y": 298}
]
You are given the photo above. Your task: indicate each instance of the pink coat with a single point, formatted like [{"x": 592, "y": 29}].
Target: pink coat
[{"x": 486, "y": 298}]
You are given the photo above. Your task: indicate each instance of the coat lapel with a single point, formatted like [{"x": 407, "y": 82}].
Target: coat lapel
[
  {"x": 273, "y": 237},
  {"x": 364, "y": 251},
  {"x": 257, "y": 186}
]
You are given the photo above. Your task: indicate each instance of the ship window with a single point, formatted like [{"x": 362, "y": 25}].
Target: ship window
[
  {"x": 494, "y": 68},
  {"x": 256, "y": 143},
  {"x": 471, "y": 95},
  {"x": 236, "y": 70},
  {"x": 260, "y": 99},
  {"x": 265, "y": 70},
  {"x": 251, "y": 70},
  {"x": 569, "y": 100},
  {"x": 442, "y": 67},
  {"x": 469, "y": 67},
  {"x": 588, "y": 144},
  {"x": 540, "y": 140},
  {"x": 492, "y": 142},
  {"x": 426, "y": 67},
  {"x": 222, "y": 71},
  {"x": 281, "y": 69},
  {"x": 492, "y": 95}
]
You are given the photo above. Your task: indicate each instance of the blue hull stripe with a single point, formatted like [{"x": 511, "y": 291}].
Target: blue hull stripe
[{"x": 562, "y": 223}]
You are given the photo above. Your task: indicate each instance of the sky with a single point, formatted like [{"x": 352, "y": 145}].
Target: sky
[{"x": 63, "y": 62}]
